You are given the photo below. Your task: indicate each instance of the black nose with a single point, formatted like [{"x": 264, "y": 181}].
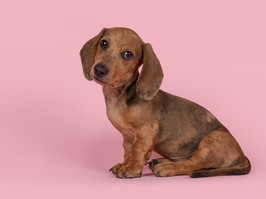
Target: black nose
[{"x": 100, "y": 70}]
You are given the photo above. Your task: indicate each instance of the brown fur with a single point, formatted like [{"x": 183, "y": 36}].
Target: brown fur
[{"x": 191, "y": 140}]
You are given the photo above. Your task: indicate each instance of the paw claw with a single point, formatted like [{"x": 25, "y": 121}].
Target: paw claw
[
  {"x": 115, "y": 168},
  {"x": 157, "y": 174},
  {"x": 152, "y": 164},
  {"x": 112, "y": 170}
]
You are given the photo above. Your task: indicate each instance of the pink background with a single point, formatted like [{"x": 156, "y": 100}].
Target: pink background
[{"x": 55, "y": 139}]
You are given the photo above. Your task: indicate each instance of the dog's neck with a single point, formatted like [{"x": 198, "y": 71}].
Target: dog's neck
[{"x": 125, "y": 92}]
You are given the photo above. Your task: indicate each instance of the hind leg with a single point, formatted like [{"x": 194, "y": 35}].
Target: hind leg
[
  {"x": 218, "y": 149},
  {"x": 154, "y": 162}
]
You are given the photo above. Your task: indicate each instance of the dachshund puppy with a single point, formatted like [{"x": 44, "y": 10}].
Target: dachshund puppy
[{"x": 190, "y": 139}]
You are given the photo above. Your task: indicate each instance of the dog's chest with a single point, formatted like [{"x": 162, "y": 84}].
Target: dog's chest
[
  {"x": 115, "y": 112},
  {"x": 120, "y": 115}
]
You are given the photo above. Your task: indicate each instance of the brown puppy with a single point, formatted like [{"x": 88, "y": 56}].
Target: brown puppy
[{"x": 191, "y": 140}]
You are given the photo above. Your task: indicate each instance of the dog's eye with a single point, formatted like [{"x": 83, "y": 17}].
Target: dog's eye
[
  {"x": 127, "y": 55},
  {"x": 104, "y": 44}
]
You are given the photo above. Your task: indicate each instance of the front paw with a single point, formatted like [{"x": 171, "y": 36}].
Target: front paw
[
  {"x": 129, "y": 171},
  {"x": 116, "y": 168}
]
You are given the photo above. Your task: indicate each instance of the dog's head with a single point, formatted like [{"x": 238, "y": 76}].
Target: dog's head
[{"x": 113, "y": 57}]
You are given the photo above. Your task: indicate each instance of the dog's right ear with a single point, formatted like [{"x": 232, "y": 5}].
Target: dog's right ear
[{"x": 87, "y": 53}]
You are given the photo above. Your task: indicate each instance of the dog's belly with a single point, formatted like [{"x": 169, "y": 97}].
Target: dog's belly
[
  {"x": 178, "y": 145},
  {"x": 183, "y": 124},
  {"x": 181, "y": 138}
]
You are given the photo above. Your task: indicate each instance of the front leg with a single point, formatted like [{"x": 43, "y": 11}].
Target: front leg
[
  {"x": 141, "y": 151},
  {"x": 127, "y": 144}
]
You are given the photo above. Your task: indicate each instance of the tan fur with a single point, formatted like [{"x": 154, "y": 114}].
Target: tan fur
[{"x": 191, "y": 140}]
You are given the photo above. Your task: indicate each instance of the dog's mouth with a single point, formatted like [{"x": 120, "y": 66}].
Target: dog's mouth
[
  {"x": 99, "y": 81},
  {"x": 105, "y": 83}
]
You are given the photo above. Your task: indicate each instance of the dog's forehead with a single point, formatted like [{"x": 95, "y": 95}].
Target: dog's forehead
[{"x": 123, "y": 35}]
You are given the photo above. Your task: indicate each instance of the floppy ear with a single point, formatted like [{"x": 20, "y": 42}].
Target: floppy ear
[
  {"x": 87, "y": 53},
  {"x": 151, "y": 75}
]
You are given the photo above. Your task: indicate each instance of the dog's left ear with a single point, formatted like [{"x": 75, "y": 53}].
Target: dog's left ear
[
  {"x": 87, "y": 53},
  {"x": 151, "y": 75}
]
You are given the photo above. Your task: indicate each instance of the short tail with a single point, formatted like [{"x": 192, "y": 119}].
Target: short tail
[{"x": 242, "y": 168}]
